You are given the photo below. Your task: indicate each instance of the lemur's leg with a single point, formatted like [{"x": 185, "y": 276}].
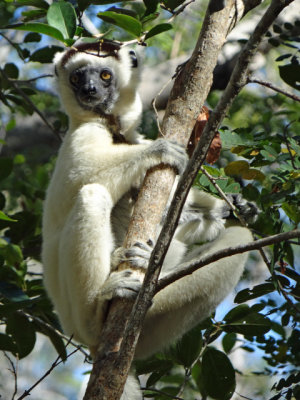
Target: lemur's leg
[
  {"x": 183, "y": 304},
  {"x": 84, "y": 259},
  {"x": 180, "y": 306}
]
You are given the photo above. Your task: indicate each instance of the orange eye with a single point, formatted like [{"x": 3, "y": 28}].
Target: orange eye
[
  {"x": 74, "y": 79},
  {"x": 105, "y": 75}
]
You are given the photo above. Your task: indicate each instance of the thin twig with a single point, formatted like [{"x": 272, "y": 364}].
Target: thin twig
[
  {"x": 224, "y": 197},
  {"x": 30, "y": 102},
  {"x": 57, "y": 361},
  {"x": 273, "y": 87},
  {"x": 288, "y": 145},
  {"x": 163, "y": 393},
  {"x": 179, "y": 11},
  {"x": 14, "y": 371},
  {"x": 197, "y": 263},
  {"x": 154, "y": 104},
  {"x": 234, "y": 209},
  {"x": 187, "y": 377},
  {"x": 23, "y": 81},
  {"x": 243, "y": 397},
  {"x": 57, "y": 332},
  {"x": 14, "y": 45}
]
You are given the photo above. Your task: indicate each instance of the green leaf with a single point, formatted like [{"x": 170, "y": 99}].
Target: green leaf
[
  {"x": 19, "y": 159},
  {"x": 172, "y": 4},
  {"x": 292, "y": 211},
  {"x": 151, "y": 6},
  {"x": 6, "y": 166},
  {"x": 233, "y": 187},
  {"x": 250, "y": 192},
  {"x": 283, "y": 57},
  {"x": 83, "y": 4},
  {"x": 39, "y": 28},
  {"x": 152, "y": 364},
  {"x": 33, "y": 15},
  {"x": 158, "y": 29},
  {"x": 62, "y": 16},
  {"x": 22, "y": 332},
  {"x": 124, "y": 11},
  {"x": 218, "y": 374},
  {"x": 188, "y": 348},
  {"x": 256, "y": 291},
  {"x": 4, "y": 217},
  {"x": 126, "y": 22},
  {"x": 229, "y": 341},
  {"x": 32, "y": 37},
  {"x": 197, "y": 374},
  {"x": 11, "y": 70},
  {"x": 243, "y": 319},
  {"x": 45, "y": 54},
  {"x": 12, "y": 293},
  {"x": 290, "y": 74},
  {"x": 253, "y": 174},
  {"x": 104, "y": 2},
  {"x": 13, "y": 254},
  {"x": 269, "y": 156},
  {"x": 7, "y": 344},
  {"x": 237, "y": 313},
  {"x": 238, "y": 138},
  {"x": 34, "y": 3},
  {"x": 236, "y": 167},
  {"x": 253, "y": 324},
  {"x": 162, "y": 370}
]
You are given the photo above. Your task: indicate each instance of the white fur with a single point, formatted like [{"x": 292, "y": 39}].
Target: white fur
[{"x": 87, "y": 194}]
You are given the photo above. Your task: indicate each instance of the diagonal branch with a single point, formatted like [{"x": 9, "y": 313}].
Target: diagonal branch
[
  {"x": 190, "y": 267},
  {"x": 57, "y": 361},
  {"x": 273, "y": 87}
]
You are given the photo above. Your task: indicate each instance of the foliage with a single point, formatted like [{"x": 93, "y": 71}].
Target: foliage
[{"x": 261, "y": 159}]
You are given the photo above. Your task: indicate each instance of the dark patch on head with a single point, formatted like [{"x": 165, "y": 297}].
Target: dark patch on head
[
  {"x": 94, "y": 88},
  {"x": 103, "y": 48},
  {"x": 134, "y": 60}
]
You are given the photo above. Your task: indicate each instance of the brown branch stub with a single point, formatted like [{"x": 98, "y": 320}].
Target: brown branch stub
[{"x": 214, "y": 150}]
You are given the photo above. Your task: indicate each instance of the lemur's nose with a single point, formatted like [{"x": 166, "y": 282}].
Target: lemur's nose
[{"x": 89, "y": 88}]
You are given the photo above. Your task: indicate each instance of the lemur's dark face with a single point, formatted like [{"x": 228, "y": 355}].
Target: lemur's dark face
[{"x": 94, "y": 88}]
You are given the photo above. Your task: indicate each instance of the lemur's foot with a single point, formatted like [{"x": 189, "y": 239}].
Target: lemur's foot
[
  {"x": 138, "y": 255},
  {"x": 246, "y": 209},
  {"x": 126, "y": 283}
]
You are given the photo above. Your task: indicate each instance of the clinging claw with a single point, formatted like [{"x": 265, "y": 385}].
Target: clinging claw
[
  {"x": 138, "y": 255},
  {"x": 124, "y": 283}
]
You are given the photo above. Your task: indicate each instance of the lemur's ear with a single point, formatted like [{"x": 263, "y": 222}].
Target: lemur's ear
[
  {"x": 134, "y": 60},
  {"x": 57, "y": 60}
]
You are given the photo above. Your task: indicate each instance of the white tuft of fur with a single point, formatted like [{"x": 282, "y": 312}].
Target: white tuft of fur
[{"x": 132, "y": 389}]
